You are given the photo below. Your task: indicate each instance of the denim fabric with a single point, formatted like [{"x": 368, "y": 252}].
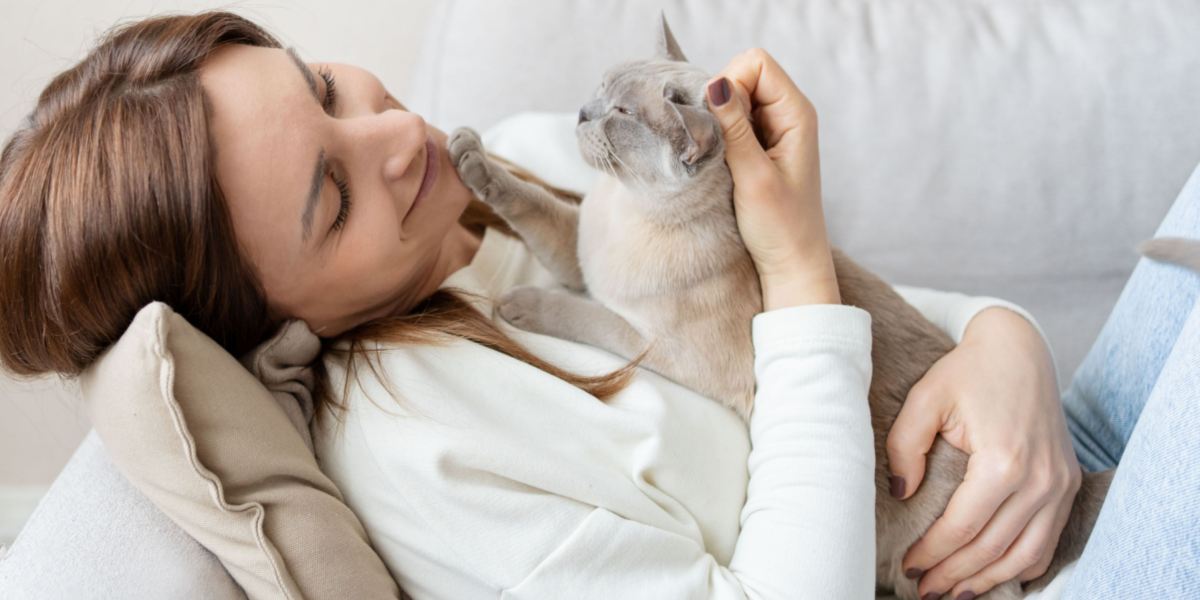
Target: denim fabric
[
  {"x": 1113, "y": 383},
  {"x": 1135, "y": 401}
]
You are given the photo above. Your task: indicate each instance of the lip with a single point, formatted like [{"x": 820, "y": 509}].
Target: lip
[{"x": 432, "y": 164}]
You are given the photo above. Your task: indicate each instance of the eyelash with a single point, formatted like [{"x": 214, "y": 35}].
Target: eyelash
[
  {"x": 330, "y": 88},
  {"x": 344, "y": 210},
  {"x": 343, "y": 187}
]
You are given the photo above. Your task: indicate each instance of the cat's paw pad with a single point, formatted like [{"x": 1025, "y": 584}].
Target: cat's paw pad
[
  {"x": 522, "y": 306},
  {"x": 462, "y": 141},
  {"x": 471, "y": 162}
]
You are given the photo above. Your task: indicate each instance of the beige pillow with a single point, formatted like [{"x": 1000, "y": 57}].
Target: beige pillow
[{"x": 229, "y": 460}]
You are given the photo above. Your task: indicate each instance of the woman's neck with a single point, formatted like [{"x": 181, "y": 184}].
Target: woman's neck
[{"x": 460, "y": 247}]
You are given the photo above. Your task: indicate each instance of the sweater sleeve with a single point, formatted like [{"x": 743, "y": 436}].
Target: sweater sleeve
[
  {"x": 808, "y": 523},
  {"x": 952, "y": 311}
]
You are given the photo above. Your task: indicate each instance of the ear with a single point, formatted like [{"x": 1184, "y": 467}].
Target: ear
[
  {"x": 700, "y": 133},
  {"x": 667, "y": 46}
]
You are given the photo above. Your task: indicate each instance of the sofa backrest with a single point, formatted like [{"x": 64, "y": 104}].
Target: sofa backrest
[{"x": 1015, "y": 149}]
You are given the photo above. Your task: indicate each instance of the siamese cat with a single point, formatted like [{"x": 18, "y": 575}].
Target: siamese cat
[{"x": 652, "y": 260}]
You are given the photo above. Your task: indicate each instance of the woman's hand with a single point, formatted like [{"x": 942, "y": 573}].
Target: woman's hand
[
  {"x": 776, "y": 191},
  {"x": 995, "y": 397}
]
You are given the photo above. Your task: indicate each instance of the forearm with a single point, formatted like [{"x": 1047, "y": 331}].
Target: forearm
[{"x": 808, "y": 522}]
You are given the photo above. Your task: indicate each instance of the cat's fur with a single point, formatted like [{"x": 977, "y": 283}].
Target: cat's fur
[{"x": 656, "y": 246}]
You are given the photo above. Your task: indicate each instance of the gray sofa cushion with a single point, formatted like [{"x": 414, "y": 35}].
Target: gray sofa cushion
[
  {"x": 1014, "y": 149},
  {"x": 94, "y": 536}
]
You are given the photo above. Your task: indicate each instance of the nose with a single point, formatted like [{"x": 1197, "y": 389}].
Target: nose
[
  {"x": 402, "y": 139},
  {"x": 590, "y": 110}
]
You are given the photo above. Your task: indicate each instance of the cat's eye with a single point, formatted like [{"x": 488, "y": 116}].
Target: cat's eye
[
  {"x": 623, "y": 110},
  {"x": 675, "y": 96}
]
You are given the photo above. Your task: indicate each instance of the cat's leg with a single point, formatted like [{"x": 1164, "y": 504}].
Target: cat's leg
[
  {"x": 564, "y": 315},
  {"x": 549, "y": 225}
]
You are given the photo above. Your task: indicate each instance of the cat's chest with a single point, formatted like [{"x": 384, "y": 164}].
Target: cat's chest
[{"x": 622, "y": 255}]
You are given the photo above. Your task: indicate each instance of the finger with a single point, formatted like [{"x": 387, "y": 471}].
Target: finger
[
  {"x": 1060, "y": 522},
  {"x": 781, "y": 104},
  {"x": 1027, "y": 550},
  {"x": 911, "y": 437},
  {"x": 746, "y": 158},
  {"x": 983, "y": 489},
  {"x": 784, "y": 115},
  {"x": 1011, "y": 518}
]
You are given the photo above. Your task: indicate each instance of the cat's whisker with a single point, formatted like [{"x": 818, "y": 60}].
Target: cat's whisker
[
  {"x": 641, "y": 182},
  {"x": 608, "y": 165}
]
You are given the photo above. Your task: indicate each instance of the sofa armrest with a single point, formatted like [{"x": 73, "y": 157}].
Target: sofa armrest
[{"x": 94, "y": 535}]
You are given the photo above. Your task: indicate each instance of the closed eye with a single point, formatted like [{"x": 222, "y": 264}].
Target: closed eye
[{"x": 344, "y": 207}]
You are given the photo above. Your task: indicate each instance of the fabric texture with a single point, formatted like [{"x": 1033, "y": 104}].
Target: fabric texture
[
  {"x": 93, "y": 536},
  {"x": 221, "y": 456},
  {"x": 1136, "y": 402},
  {"x": 1110, "y": 390},
  {"x": 1010, "y": 149}
]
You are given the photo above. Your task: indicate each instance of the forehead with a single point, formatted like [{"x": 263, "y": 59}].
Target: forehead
[
  {"x": 651, "y": 74},
  {"x": 260, "y": 127}
]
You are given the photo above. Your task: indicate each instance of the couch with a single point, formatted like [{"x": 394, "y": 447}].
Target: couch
[{"x": 1016, "y": 149}]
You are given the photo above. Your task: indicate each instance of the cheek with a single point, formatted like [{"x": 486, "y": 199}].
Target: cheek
[{"x": 640, "y": 150}]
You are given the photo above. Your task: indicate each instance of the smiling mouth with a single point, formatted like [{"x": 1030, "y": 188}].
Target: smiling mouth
[{"x": 429, "y": 177}]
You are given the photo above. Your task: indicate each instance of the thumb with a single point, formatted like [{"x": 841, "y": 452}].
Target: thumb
[
  {"x": 911, "y": 437},
  {"x": 742, "y": 150}
]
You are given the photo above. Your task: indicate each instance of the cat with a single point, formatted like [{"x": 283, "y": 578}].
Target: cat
[{"x": 651, "y": 260}]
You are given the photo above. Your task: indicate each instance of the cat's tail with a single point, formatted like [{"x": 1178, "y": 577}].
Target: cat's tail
[
  {"x": 1174, "y": 250},
  {"x": 1074, "y": 537}
]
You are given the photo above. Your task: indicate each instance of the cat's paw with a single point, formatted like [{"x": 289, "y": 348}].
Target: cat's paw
[
  {"x": 524, "y": 307},
  {"x": 471, "y": 162}
]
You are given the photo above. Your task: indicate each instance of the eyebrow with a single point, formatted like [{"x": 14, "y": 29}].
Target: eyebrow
[{"x": 318, "y": 176}]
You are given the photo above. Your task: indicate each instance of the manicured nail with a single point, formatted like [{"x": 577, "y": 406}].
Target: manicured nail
[
  {"x": 718, "y": 92},
  {"x": 914, "y": 573},
  {"x": 897, "y": 486},
  {"x": 966, "y": 595},
  {"x": 931, "y": 596}
]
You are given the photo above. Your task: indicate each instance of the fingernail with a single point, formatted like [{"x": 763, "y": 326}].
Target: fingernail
[
  {"x": 897, "y": 486},
  {"x": 931, "y": 596},
  {"x": 967, "y": 595},
  {"x": 914, "y": 573},
  {"x": 718, "y": 92}
]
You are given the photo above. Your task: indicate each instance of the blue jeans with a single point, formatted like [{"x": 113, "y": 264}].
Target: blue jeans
[{"x": 1135, "y": 401}]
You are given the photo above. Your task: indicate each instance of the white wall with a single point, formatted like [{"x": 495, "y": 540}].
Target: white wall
[{"x": 42, "y": 423}]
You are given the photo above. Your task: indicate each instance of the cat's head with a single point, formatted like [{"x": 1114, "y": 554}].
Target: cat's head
[{"x": 648, "y": 123}]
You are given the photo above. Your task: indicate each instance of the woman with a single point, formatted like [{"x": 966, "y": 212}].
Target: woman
[{"x": 192, "y": 160}]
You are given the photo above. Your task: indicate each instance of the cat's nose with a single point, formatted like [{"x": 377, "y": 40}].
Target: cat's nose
[{"x": 582, "y": 116}]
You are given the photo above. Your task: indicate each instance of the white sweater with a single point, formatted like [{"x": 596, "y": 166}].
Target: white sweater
[{"x": 489, "y": 478}]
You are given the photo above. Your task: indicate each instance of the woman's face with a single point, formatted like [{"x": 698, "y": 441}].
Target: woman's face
[{"x": 286, "y": 147}]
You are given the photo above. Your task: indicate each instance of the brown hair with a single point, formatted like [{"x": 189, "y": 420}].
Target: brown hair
[{"x": 109, "y": 200}]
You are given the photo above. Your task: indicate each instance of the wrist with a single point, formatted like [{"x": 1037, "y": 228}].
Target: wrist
[
  {"x": 998, "y": 319},
  {"x": 782, "y": 292}
]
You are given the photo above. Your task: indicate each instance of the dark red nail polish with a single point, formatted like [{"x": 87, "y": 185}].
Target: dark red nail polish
[
  {"x": 718, "y": 92},
  {"x": 914, "y": 573},
  {"x": 931, "y": 596},
  {"x": 967, "y": 595},
  {"x": 897, "y": 486}
]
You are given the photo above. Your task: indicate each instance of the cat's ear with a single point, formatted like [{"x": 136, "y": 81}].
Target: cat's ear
[
  {"x": 667, "y": 46},
  {"x": 699, "y": 131}
]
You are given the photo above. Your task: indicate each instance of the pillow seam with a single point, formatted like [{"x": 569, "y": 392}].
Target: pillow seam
[{"x": 216, "y": 489}]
